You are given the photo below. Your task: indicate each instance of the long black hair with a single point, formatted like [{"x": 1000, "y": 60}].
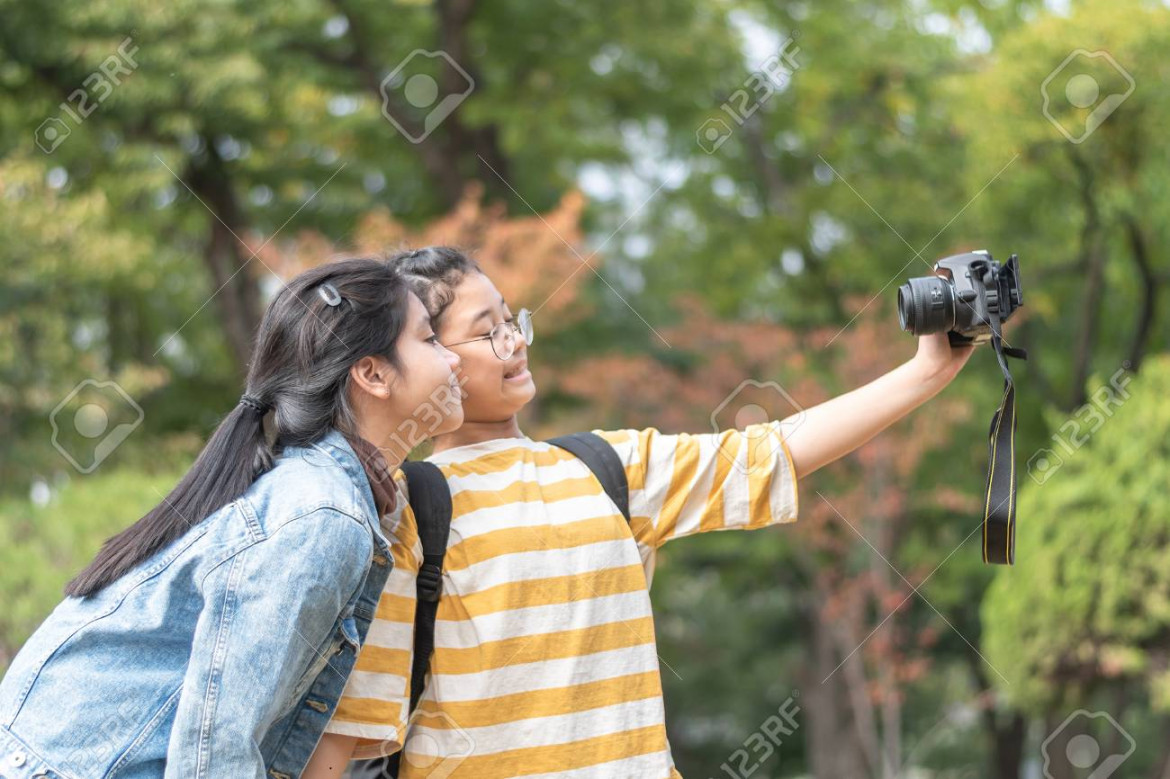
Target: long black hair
[
  {"x": 300, "y": 371},
  {"x": 433, "y": 273}
]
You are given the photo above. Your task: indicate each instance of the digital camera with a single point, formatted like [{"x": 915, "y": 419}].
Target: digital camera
[{"x": 961, "y": 298}]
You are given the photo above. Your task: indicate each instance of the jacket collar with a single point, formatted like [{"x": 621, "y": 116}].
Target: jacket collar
[{"x": 335, "y": 446}]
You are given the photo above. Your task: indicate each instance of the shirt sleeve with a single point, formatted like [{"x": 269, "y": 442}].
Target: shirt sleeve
[
  {"x": 693, "y": 483},
  {"x": 374, "y": 705}
]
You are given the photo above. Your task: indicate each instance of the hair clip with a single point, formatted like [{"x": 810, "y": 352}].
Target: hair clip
[{"x": 329, "y": 294}]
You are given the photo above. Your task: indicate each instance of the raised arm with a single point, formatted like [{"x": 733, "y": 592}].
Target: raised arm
[{"x": 831, "y": 430}]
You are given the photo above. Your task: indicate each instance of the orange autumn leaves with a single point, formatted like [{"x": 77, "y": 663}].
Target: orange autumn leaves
[
  {"x": 530, "y": 258},
  {"x": 536, "y": 261}
]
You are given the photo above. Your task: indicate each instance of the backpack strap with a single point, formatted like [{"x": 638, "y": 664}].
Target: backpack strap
[
  {"x": 599, "y": 456},
  {"x": 430, "y": 500}
]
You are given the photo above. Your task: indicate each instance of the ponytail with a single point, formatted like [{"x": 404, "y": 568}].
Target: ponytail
[{"x": 232, "y": 459}]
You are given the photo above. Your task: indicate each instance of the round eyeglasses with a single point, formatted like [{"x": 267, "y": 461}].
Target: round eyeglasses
[{"x": 503, "y": 335}]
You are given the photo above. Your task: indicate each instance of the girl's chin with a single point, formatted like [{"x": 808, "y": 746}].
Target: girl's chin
[{"x": 450, "y": 424}]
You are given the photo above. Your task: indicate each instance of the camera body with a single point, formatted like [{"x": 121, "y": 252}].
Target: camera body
[{"x": 962, "y": 298}]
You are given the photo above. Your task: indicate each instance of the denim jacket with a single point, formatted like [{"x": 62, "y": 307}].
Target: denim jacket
[{"x": 224, "y": 654}]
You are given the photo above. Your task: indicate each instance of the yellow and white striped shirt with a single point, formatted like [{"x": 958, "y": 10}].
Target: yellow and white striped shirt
[{"x": 545, "y": 661}]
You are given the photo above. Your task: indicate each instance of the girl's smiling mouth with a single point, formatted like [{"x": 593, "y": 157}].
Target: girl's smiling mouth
[{"x": 518, "y": 371}]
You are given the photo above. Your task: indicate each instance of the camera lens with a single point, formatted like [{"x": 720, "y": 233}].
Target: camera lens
[{"x": 926, "y": 305}]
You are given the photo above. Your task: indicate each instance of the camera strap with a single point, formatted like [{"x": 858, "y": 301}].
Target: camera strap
[{"x": 999, "y": 513}]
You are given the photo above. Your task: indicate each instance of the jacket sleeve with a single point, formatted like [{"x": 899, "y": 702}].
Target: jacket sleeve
[
  {"x": 376, "y": 701},
  {"x": 266, "y": 620}
]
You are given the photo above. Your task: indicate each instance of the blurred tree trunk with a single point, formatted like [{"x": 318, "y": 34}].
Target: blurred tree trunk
[
  {"x": 1162, "y": 767},
  {"x": 235, "y": 291},
  {"x": 1139, "y": 252},
  {"x": 1009, "y": 732},
  {"x": 842, "y": 737},
  {"x": 1093, "y": 256},
  {"x": 128, "y": 334},
  {"x": 885, "y": 537},
  {"x": 1006, "y": 729},
  {"x": 494, "y": 169},
  {"x": 454, "y": 150}
]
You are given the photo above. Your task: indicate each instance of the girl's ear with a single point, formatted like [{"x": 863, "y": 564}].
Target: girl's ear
[{"x": 373, "y": 375}]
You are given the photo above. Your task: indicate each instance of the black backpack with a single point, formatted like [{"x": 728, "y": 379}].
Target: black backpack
[{"x": 430, "y": 500}]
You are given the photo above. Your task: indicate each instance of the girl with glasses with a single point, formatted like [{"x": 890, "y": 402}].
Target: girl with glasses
[{"x": 544, "y": 657}]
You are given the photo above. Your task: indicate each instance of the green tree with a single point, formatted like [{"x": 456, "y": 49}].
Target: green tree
[
  {"x": 1083, "y": 619},
  {"x": 1088, "y": 218}
]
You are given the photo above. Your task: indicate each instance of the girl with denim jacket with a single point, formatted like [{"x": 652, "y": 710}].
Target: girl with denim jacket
[{"x": 212, "y": 638}]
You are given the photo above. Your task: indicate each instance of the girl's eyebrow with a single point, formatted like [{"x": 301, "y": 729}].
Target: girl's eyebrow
[{"x": 488, "y": 312}]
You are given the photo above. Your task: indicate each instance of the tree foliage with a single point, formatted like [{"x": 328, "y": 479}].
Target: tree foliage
[
  {"x": 249, "y": 140},
  {"x": 1086, "y": 608}
]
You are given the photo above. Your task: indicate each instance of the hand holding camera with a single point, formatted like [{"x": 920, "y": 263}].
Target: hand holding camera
[{"x": 969, "y": 298}]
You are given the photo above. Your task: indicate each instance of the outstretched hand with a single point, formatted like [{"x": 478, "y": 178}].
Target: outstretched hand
[{"x": 938, "y": 360}]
